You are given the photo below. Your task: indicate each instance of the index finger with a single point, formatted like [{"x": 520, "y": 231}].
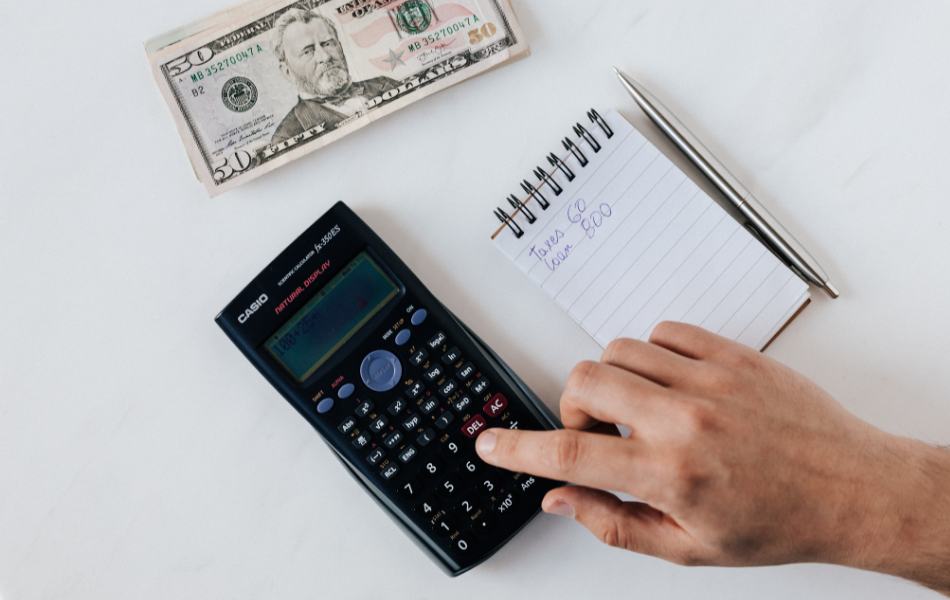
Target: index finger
[{"x": 588, "y": 459}]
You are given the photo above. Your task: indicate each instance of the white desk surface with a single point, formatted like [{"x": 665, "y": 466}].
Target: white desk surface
[{"x": 141, "y": 456}]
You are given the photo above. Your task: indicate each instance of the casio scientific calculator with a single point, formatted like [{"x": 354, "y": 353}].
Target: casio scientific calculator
[{"x": 395, "y": 384}]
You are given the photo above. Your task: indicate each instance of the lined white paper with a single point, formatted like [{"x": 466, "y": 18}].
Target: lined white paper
[{"x": 633, "y": 242}]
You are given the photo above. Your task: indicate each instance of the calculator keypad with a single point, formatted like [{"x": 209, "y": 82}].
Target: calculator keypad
[{"x": 420, "y": 436}]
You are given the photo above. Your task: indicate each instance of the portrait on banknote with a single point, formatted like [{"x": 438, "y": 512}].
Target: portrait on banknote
[{"x": 262, "y": 84}]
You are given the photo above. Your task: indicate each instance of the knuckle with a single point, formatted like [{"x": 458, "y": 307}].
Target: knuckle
[
  {"x": 614, "y": 534},
  {"x": 582, "y": 378},
  {"x": 567, "y": 451},
  {"x": 663, "y": 331},
  {"x": 617, "y": 349}
]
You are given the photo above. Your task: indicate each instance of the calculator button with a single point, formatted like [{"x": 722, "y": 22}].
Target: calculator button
[
  {"x": 426, "y": 438},
  {"x": 467, "y": 506},
  {"x": 429, "y": 405},
  {"x": 325, "y": 406},
  {"x": 408, "y": 454},
  {"x": 462, "y": 544},
  {"x": 393, "y": 439},
  {"x": 419, "y": 357},
  {"x": 452, "y": 356},
  {"x": 445, "y": 525},
  {"x": 362, "y": 440},
  {"x": 451, "y": 448},
  {"x": 376, "y": 456},
  {"x": 484, "y": 523},
  {"x": 347, "y": 426},
  {"x": 411, "y": 488},
  {"x": 449, "y": 388},
  {"x": 364, "y": 409},
  {"x": 514, "y": 421},
  {"x": 471, "y": 467},
  {"x": 402, "y": 338},
  {"x": 429, "y": 507},
  {"x": 496, "y": 406},
  {"x": 412, "y": 422},
  {"x": 397, "y": 407},
  {"x": 379, "y": 424},
  {"x": 506, "y": 503},
  {"x": 381, "y": 371},
  {"x": 419, "y": 317},
  {"x": 480, "y": 386},
  {"x": 444, "y": 421},
  {"x": 528, "y": 484},
  {"x": 462, "y": 404},
  {"x": 432, "y": 467},
  {"x": 449, "y": 487},
  {"x": 434, "y": 373},
  {"x": 488, "y": 484},
  {"x": 475, "y": 426},
  {"x": 466, "y": 372},
  {"x": 415, "y": 389},
  {"x": 346, "y": 391},
  {"x": 437, "y": 340},
  {"x": 390, "y": 471}
]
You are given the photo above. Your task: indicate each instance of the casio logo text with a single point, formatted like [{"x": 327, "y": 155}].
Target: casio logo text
[{"x": 256, "y": 306}]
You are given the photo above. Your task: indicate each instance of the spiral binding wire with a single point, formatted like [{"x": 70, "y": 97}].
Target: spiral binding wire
[{"x": 558, "y": 164}]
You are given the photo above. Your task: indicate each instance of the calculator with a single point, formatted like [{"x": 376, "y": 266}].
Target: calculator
[{"x": 396, "y": 385}]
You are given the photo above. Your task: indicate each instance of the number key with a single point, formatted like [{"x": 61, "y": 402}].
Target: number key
[
  {"x": 432, "y": 467},
  {"x": 429, "y": 507},
  {"x": 452, "y": 448},
  {"x": 467, "y": 505},
  {"x": 445, "y": 525},
  {"x": 489, "y": 484},
  {"x": 471, "y": 467},
  {"x": 449, "y": 487},
  {"x": 410, "y": 489}
]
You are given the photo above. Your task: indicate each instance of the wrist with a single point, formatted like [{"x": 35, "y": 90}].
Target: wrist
[{"x": 904, "y": 527}]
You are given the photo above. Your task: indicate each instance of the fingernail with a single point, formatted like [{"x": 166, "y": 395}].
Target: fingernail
[
  {"x": 485, "y": 443},
  {"x": 562, "y": 509}
]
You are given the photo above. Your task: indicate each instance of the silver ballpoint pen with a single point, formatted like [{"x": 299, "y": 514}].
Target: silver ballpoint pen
[{"x": 759, "y": 219}]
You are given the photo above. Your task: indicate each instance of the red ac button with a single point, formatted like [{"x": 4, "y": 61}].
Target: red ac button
[
  {"x": 497, "y": 406},
  {"x": 474, "y": 426}
]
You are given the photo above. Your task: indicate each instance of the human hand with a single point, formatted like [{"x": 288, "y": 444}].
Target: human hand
[{"x": 738, "y": 460}]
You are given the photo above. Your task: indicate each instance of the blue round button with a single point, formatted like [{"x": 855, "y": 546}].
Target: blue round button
[
  {"x": 403, "y": 338},
  {"x": 419, "y": 317},
  {"x": 346, "y": 391},
  {"x": 325, "y": 406},
  {"x": 381, "y": 371}
]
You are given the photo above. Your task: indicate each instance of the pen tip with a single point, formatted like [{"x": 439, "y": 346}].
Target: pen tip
[{"x": 832, "y": 291}]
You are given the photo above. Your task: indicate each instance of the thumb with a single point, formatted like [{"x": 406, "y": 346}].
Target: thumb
[{"x": 632, "y": 526}]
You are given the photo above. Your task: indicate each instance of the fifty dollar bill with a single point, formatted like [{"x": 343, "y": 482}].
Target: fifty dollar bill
[{"x": 263, "y": 83}]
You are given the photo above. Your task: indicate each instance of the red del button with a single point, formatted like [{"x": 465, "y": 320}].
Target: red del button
[
  {"x": 472, "y": 428},
  {"x": 497, "y": 405}
]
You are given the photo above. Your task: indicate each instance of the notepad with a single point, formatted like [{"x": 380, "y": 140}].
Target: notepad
[{"x": 623, "y": 240}]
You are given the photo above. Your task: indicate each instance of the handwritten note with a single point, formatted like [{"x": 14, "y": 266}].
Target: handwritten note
[{"x": 632, "y": 242}]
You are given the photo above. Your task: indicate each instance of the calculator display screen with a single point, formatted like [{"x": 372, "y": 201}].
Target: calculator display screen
[{"x": 332, "y": 317}]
